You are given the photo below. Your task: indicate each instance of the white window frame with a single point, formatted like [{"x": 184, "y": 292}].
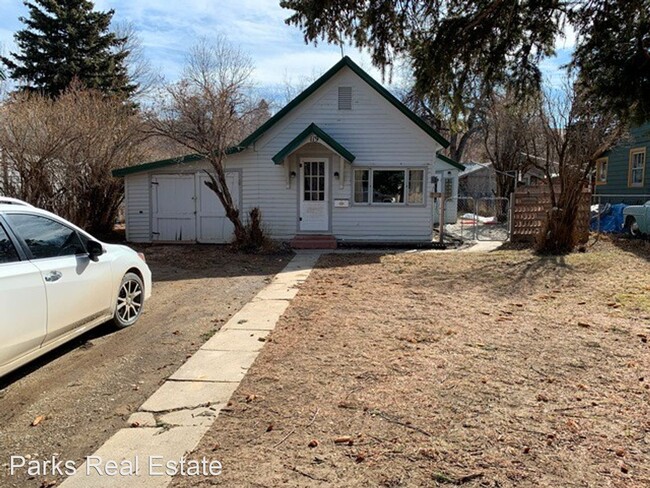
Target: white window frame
[
  {"x": 406, "y": 170},
  {"x": 630, "y": 180}
]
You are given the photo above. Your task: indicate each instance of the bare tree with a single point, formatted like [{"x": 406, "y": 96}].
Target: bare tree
[
  {"x": 209, "y": 111},
  {"x": 572, "y": 133},
  {"x": 506, "y": 127},
  {"x": 59, "y": 154},
  {"x": 32, "y": 135}
]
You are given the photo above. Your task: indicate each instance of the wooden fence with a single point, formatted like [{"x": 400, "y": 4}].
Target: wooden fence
[{"x": 529, "y": 207}]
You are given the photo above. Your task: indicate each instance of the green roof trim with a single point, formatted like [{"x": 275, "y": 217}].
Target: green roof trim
[
  {"x": 448, "y": 160},
  {"x": 346, "y": 61},
  {"x": 188, "y": 158},
  {"x": 324, "y": 136}
]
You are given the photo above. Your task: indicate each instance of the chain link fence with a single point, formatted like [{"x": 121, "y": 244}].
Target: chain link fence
[{"x": 480, "y": 219}]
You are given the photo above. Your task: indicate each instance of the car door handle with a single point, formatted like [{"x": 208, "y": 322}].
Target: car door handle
[{"x": 53, "y": 276}]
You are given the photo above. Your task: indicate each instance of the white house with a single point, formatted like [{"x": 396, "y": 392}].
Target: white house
[{"x": 344, "y": 161}]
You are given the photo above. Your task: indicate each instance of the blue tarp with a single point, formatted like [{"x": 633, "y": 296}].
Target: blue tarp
[{"x": 611, "y": 218}]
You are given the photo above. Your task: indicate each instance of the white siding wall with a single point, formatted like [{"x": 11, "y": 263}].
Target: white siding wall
[
  {"x": 377, "y": 133},
  {"x": 138, "y": 207}
]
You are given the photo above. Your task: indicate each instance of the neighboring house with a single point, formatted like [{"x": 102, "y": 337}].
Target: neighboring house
[
  {"x": 622, "y": 173},
  {"x": 345, "y": 159},
  {"x": 477, "y": 180}
]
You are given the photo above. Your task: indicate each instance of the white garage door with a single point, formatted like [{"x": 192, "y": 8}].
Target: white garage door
[
  {"x": 184, "y": 209},
  {"x": 212, "y": 223},
  {"x": 174, "y": 210}
]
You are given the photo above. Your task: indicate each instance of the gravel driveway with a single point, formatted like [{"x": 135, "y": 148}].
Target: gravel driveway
[{"x": 87, "y": 389}]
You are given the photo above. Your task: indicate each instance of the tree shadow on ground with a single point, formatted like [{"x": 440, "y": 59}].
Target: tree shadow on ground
[
  {"x": 516, "y": 276},
  {"x": 638, "y": 247},
  {"x": 174, "y": 262}
]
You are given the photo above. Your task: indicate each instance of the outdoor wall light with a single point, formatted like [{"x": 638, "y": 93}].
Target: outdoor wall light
[
  {"x": 293, "y": 174},
  {"x": 336, "y": 175}
]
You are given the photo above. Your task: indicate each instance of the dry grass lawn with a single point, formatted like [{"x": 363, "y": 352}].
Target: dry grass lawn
[{"x": 480, "y": 370}]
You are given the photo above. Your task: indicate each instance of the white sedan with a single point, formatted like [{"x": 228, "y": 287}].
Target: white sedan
[{"x": 57, "y": 282}]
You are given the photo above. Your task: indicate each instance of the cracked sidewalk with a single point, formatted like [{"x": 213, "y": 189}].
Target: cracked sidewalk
[{"x": 173, "y": 420}]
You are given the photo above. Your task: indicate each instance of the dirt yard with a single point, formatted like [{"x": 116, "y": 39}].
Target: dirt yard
[
  {"x": 87, "y": 389},
  {"x": 478, "y": 370}
]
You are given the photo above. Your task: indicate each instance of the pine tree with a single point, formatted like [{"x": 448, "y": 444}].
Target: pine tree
[
  {"x": 66, "y": 40},
  {"x": 451, "y": 43}
]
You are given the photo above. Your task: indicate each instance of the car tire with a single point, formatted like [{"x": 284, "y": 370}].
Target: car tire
[
  {"x": 632, "y": 227},
  {"x": 130, "y": 301}
]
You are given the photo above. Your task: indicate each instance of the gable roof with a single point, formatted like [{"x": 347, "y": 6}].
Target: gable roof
[
  {"x": 324, "y": 136},
  {"x": 345, "y": 62}
]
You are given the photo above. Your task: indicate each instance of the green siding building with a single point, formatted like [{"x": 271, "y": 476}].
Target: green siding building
[{"x": 622, "y": 174}]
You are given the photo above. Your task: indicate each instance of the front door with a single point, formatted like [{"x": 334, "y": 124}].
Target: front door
[{"x": 314, "y": 195}]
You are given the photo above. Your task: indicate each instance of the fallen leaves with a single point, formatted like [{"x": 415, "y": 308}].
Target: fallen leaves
[
  {"x": 38, "y": 420},
  {"x": 344, "y": 440}
]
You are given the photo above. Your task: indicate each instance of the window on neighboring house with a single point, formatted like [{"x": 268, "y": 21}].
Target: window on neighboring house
[
  {"x": 389, "y": 186},
  {"x": 636, "y": 173},
  {"x": 601, "y": 171}
]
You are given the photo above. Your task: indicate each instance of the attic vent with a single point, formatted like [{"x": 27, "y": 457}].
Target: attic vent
[{"x": 345, "y": 98}]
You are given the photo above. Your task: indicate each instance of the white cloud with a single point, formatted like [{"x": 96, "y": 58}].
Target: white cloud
[
  {"x": 568, "y": 38},
  {"x": 169, "y": 28}
]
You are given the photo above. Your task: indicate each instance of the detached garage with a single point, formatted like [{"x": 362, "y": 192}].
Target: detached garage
[
  {"x": 175, "y": 206},
  {"x": 345, "y": 161}
]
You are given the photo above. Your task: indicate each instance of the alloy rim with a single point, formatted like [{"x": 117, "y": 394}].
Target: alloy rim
[{"x": 129, "y": 301}]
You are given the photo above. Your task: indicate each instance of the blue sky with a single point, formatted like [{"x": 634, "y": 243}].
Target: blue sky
[{"x": 278, "y": 51}]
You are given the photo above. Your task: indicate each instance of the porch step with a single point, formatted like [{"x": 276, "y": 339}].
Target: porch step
[{"x": 313, "y": 241}]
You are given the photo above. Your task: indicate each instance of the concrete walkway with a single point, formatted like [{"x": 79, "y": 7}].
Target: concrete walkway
[
  {"x": 484, "y": 246},
  {"x": 174, "y": 419}
]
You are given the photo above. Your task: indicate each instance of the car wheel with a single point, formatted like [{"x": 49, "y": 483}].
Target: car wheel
[
  {"x": 130, "y": 301},
  {"x": 632, "y": 227}
]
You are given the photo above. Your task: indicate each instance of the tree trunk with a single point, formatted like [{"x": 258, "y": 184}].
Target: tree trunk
[
  {"x": 559, "y": 234},
  {"x": 220, "y": 187}
]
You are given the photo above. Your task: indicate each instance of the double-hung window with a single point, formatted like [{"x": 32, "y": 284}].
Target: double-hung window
[
  {"x": 636, "y": 174},
  {"x": 601, "y": 171},
  {"x": 389, "y": 186}
]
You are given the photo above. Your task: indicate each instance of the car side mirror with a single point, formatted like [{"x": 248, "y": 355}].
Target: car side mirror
[{"x": 94, "y": 249}]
